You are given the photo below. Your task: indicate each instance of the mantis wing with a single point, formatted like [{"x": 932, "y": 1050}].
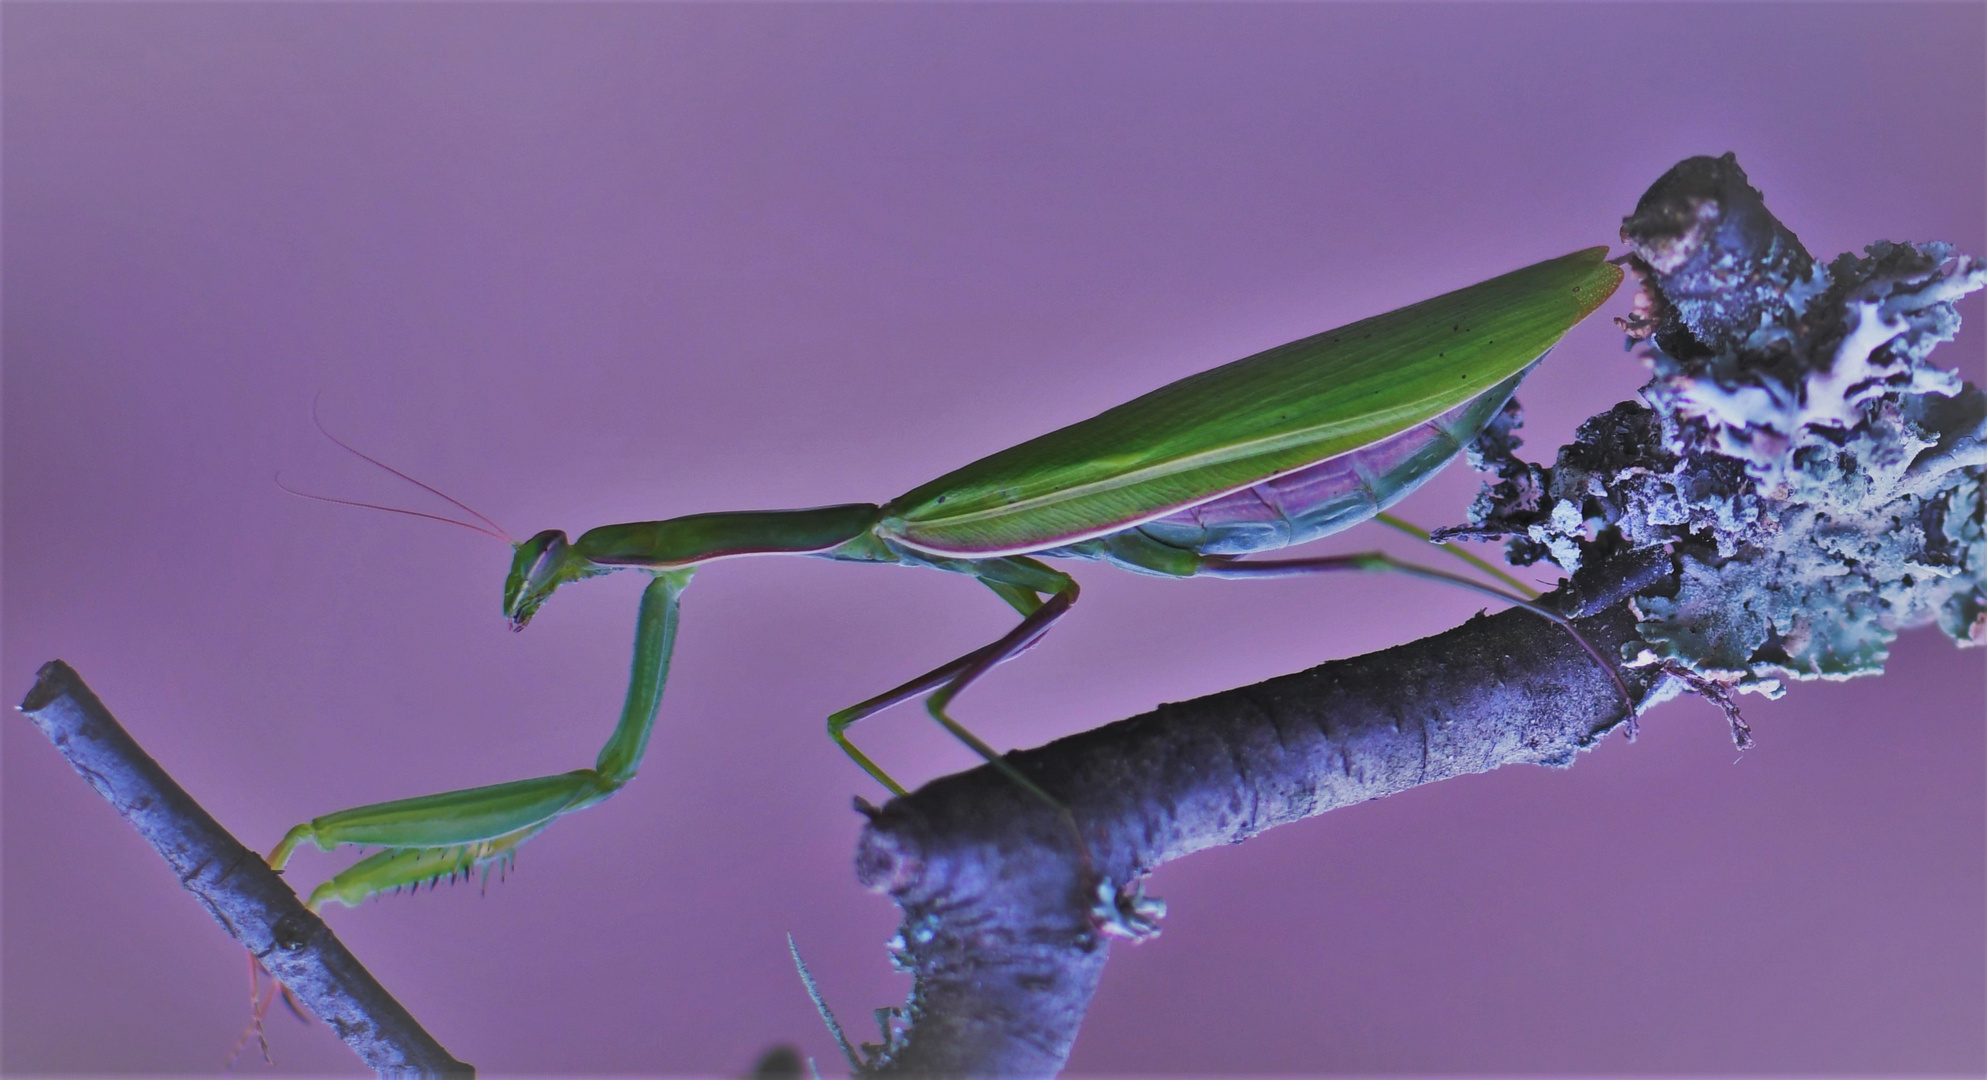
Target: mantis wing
[{"x": 1257, "y": 418}]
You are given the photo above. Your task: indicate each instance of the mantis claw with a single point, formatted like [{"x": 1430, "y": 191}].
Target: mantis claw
[
  {"x": 437, "y": 836},
  {"x": 410, "y": 868}
]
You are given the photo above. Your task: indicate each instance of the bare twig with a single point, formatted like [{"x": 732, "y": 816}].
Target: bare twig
[{"x": 248, "y": 899}]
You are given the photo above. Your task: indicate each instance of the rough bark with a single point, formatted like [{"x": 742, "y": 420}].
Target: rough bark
[{"x": 1004, "y": 926}]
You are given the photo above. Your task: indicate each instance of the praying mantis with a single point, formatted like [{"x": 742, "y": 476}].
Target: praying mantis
[{"x": 1270, "y": 451}]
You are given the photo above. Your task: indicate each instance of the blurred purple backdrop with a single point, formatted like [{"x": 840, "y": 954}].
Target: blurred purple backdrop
[{"x": 583, "y": 264}]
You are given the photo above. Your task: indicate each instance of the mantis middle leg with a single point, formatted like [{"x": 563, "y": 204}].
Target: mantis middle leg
[
  {"x": 1022, "y": 583},
  {"x": 455, "y": 832}
]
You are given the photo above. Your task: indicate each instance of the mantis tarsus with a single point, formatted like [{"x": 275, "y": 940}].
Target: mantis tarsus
[{"x": 1270, "y": 451}]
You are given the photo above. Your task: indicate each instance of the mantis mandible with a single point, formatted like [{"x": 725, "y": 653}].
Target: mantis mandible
[{"x": 1270, "y": 451}]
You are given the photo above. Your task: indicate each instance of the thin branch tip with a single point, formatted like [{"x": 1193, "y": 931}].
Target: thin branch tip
[{"x": 237, "y": 887}]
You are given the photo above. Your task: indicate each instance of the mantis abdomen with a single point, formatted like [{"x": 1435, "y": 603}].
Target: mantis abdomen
[{"x": 1311, "y": 502}]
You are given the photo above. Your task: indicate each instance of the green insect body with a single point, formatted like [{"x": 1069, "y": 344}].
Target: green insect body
[
  {"x": 1276, "y": 449},
  {"x": 1242, "y": 423}
]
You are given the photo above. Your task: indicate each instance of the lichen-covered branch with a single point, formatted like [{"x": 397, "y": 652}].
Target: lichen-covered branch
[
  {"x": 1801, "y": 484},
  {"x": 1814, "y": 477},
  {"x": 246, "y": 897}
]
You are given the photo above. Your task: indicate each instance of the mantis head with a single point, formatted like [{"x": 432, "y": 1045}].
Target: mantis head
[{"x": 542, "y": 564}]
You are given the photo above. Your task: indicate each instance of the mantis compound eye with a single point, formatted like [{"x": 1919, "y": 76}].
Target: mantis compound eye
[{"x": 547, "y": 562}]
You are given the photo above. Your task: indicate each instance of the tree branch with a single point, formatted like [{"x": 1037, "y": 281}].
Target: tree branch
[
  {"x": 1003, "y": 925},
  {"x": 248, "y": 899}
]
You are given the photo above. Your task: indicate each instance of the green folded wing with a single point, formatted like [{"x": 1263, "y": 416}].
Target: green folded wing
[{"x": 1259, "y": 417}]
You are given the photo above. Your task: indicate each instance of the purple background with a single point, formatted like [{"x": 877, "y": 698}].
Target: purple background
[{"x": 585, "y": 264}]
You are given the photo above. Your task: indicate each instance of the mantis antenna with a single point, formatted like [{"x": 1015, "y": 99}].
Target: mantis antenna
[
  {"x": 487, "y": 528},
  {"x": 389, "y": 509}
]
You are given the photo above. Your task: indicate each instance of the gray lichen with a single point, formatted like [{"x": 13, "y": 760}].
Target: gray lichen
[{"x": 1815, "y": 479}]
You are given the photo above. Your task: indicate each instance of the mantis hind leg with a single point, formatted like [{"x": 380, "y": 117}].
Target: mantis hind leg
[
  {"x": 1224, "y": 567},
  {"x": 1470, "y": 557},
  {"x": 454, "y": 833}
]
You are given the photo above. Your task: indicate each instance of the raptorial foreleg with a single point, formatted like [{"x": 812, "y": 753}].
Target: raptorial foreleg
[{"x": 437, "y": 836}]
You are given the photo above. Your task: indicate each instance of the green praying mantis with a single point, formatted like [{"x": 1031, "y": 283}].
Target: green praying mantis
[{"x": 1267, "y": 452}]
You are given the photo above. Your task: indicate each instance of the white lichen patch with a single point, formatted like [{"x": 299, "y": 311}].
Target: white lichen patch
[{"x": 1817, "y": 482}]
